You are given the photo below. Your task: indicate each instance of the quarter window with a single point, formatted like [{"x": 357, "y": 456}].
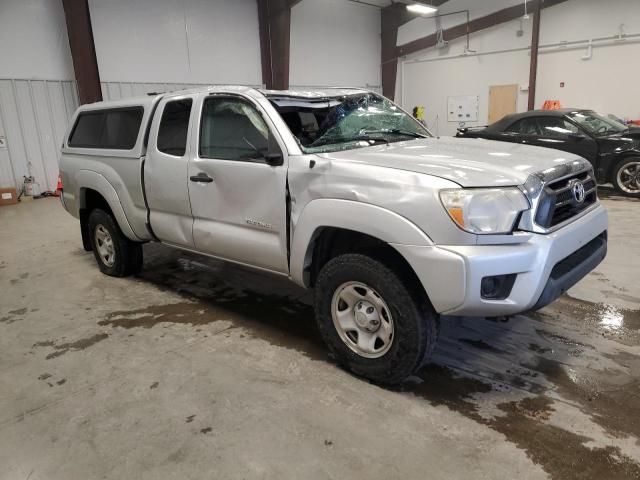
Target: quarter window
[
  {"x": 232, "y": 129},
  {"x": 556, "y": 127},
  {"x": 526, "y": 126},
  {"x": 174, "y": 125},
  {"x": 115, "y": 129}
]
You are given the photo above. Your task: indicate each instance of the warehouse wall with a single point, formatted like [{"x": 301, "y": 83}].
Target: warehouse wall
[
  {"x": 37, "y": 91},
  {"x": 603, "y": 82},
  {"x": 335, "y": 42},
  {"x": 193, "y": 41}
]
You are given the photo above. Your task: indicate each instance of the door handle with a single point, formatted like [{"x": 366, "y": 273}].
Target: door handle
[{"x": 201, "y": 177}]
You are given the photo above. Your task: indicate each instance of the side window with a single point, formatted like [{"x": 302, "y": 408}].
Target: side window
[
  {"x": 556, "y": 127},
  {"x": 115, "y": 129},
  {"x": 232, "y": 129},
  {"x": 88, "y": 130},
  {"x": 526, "y": 126},
  {"x": 121, "y": 129},
  {"x": 174, "y": 125}
]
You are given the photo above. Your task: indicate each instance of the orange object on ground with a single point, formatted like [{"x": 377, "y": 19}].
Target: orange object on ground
[
  {"x": 59, "y": 187},
  {"x": 551, "y": 105}
]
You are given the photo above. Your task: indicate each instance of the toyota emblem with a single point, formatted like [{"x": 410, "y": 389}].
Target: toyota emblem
[{"x": 578, "y": 192}]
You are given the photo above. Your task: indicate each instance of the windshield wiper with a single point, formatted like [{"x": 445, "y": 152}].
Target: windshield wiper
[
  {"x": 397, "y": 131},
  {"x": 335, "y": 140}
]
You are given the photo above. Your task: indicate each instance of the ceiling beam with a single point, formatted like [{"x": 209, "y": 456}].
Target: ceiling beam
[
  {"x": 533, "y": 68},
  {"x": 392, "y": 18},
  {"x": 83, "y": 51},
  {"x": 476, "y": 25}
]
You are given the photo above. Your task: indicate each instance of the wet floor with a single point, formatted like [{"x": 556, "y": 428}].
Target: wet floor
[
  {"x": 561, "y": 386},
  {"x": 507, "y": 374}
]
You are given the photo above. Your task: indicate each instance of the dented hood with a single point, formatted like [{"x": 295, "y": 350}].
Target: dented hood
[{"x": 470, "y": 162}]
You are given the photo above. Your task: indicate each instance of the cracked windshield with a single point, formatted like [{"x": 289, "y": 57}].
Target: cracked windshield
[{"x": 343, "y": 123}]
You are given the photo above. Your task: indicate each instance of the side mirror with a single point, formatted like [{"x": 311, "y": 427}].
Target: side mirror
[
  {"x": 274, "y": 159},
  {"x": 274, "y": 156}
]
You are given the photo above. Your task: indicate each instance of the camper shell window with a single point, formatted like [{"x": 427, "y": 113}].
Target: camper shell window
[{"x": 115, "y": 128}]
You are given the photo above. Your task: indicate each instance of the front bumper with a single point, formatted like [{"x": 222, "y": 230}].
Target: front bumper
[{"x": 546, "y": 266}]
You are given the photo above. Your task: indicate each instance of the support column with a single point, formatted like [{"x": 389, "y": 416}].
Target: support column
[
  {"x": 535, "y": 42},
  {"x": 274, "y": 18},
  {"x": 392, "y": 18},
  {"x": 83, "y": 52}
]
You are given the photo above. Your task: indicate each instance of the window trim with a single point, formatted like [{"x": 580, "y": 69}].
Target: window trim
[
  {"x": 535, "y": 119},
  {"x": 241, "y": 98},
  {"x": 104, "y": 112},
  {"x": 186, "y": 146},
  {"x": 562, "y": 118}
]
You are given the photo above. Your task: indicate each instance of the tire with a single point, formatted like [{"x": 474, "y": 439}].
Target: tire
[
  {"x": 414, "y": 324},
  {"x": 621, "y": 173},
  {"x": 125, "y": 257}
]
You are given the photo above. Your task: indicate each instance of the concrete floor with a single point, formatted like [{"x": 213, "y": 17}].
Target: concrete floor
[{"x": 196, "y": 369}]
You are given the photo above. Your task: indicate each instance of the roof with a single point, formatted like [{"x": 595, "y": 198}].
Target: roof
[
  {"x": 150, "y": 99},
  {"x": 313, "y": 94},
  {"x": 549, "y": 113}
]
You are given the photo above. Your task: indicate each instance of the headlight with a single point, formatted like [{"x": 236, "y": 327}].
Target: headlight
[{"x": 484, "y": 210}]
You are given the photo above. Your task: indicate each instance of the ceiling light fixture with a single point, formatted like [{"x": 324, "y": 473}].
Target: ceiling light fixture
[{"x": 421, "y": 9}]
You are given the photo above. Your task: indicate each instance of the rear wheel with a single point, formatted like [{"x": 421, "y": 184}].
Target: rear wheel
[
  {"x": 374, "y": 323},
  {"x": 626, "y": 177},
  {"x": 116, "y": 255}
]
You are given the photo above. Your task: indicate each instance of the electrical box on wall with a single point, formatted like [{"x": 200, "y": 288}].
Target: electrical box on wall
[{"x": 463, "y": 108}]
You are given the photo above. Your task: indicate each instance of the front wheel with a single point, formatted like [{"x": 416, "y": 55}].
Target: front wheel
[
  {"x": 626, "y": 177},
  {"x": 116, "y": 255},
  {"x": 374, "y": 323}
]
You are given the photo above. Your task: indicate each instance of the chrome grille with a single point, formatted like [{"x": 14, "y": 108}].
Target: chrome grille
[{"x": 563, "y": 199}]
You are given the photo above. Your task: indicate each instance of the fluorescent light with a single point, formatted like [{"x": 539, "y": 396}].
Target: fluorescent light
[{"x": 421, "y": 8}]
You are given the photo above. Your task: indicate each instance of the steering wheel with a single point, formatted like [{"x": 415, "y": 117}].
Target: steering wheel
[{"x": 602, "y": 129}]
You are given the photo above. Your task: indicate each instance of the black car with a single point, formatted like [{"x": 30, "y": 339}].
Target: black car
[{"x": 612, "y": 148}]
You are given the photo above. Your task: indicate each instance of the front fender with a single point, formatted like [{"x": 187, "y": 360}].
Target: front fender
[
  {"x": 95, "y": 181},
  {"x": 361, "y": 217}
]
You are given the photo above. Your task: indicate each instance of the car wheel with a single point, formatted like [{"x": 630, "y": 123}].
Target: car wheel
[
  {"x": 626, "y": 177},
  {"x": 374, "y": 323},
  {"x": 116, "y": 255}
]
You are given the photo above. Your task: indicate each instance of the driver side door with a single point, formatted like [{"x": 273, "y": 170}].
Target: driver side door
[{"x": 237, "y": 186}]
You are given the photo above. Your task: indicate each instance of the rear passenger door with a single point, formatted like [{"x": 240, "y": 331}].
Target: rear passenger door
[
  {"x": 238, "y": 197},
  {"x": 166, "y": 172}
]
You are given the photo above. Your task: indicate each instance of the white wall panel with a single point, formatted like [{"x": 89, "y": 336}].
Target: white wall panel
[
  {"x": 193, "y": 41},
  {"x": 33, "y": 35},
  {"x": 335, "y": 43},
  {"x": 34, "y": 115}
]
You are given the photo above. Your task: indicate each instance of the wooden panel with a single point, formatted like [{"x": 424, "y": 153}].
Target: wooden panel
[{"x": 503, "y": 100}]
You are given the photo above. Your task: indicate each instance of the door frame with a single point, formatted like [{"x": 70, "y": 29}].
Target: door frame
[{"x": 194, "y": 140}]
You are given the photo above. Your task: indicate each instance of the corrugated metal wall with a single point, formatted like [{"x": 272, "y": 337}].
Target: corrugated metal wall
[{"x": 34, "y": 115}]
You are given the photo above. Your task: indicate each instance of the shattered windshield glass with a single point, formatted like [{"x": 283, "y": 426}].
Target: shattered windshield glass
[
  {"x": 596, "y": 124},
  {"x": 342, "y": 123}
]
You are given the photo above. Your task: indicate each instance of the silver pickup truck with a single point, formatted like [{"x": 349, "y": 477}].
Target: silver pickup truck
[{"x": 343, "y": 192}]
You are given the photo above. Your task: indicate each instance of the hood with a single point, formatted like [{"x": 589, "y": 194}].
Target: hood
[
  {"x": 620, "y": 142},
  {"x": 470, "y": 162},
  {"x": 632, "y": 134}
]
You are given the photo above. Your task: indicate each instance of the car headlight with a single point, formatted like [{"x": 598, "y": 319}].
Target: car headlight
[{"x": 484, "y": 210}]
